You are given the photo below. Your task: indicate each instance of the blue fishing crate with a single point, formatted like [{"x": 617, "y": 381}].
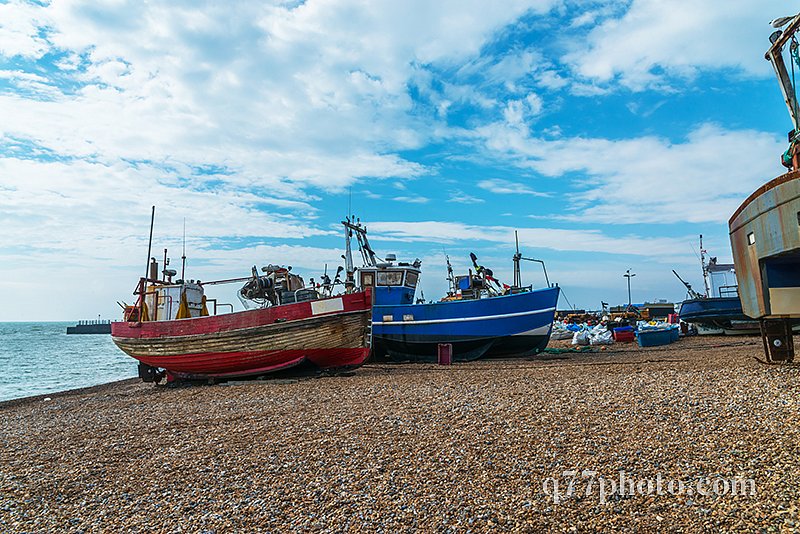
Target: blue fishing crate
[{"x": 654, "y": 338}]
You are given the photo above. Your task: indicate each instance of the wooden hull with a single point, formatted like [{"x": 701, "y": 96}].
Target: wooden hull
[{"x": 327, "y": 333}]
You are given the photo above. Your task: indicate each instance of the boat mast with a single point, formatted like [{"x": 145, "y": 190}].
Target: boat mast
[
  {"x": 143, "y": 289},
  {"x": 164, "y": 268},
  {"x": 451, "y": 280},
  {"x": 349, "y": 280},
  {"x": 367, "y": 254},
  {"x": 517, "y": 257},
  {"x": 705, "y": 268},
  {"x": 183, "y": 258}
]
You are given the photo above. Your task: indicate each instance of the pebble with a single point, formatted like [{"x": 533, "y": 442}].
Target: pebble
[{"x": 401, "y": 448}]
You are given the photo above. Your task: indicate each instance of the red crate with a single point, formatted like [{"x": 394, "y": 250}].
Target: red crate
[{"x": 624, "y": 337}]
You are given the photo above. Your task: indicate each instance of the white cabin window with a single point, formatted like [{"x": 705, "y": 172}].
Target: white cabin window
[
  {"x": 411, "y": 279},
  {"x": 751, "y": 238},
  {"x": 390, "y": 278},
  {"x": 367, "y": 279}
]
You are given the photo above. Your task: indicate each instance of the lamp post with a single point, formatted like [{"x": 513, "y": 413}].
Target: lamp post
[{"x": 628, "y": 275}]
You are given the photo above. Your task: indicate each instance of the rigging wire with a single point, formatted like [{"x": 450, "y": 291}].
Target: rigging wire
[
  {"x": 565, "y": 298},
  {"x": 695, "y": 252}
]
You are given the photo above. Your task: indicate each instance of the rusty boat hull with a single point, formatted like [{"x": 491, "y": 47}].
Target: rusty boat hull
[
  {"x": 327, "y": 333},
  {"x": 765, "y": 238}
]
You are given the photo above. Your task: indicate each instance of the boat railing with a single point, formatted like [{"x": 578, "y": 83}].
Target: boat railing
[
  {"x": 729, "y": 291},
  {"x": 219, "y": 305},
  {"x": 296, "y": 292},
  {"x": 294, "y": 295}
]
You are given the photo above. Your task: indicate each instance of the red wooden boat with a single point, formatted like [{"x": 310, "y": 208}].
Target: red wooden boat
[
  {"x": 329, "y": 333},
  {"x": 171, "y": 332}
]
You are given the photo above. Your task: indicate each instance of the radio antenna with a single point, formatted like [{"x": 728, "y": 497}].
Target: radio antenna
[
  {"x": 143, "y": 289},
  {"x": 183, "y": 258}
]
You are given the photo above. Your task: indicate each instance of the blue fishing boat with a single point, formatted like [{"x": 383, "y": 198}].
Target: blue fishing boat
[
  {"x": 718, "y": 310},
  {"x": 479, "y": 317}
]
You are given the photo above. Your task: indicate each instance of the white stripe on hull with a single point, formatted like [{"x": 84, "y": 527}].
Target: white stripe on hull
[
  {"x": 541, "y": 331},
  {"x": 466, "y": 319}
]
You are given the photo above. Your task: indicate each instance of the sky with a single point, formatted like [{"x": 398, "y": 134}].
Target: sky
[{"x": 609, "y": 134}]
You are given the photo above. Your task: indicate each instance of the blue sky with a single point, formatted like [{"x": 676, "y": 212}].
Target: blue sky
[{"x": 609, "y": 134}]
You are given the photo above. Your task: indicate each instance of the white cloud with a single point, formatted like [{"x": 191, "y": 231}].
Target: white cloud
[
  {"x": 518, "y": 113},
  {"x": 506, "y": 187},
  {"x": 591, "y": 16},
  {"x": 462, "y": 198},
  {"x": 679, "y": 37},
  {"x": 412, "y": 199},
  {"x": 19, "y": 30},
  {"x": 514, "y": 66},
  {"x": 551, "y": 79},
  {"x": 548, "y": 238},
  {"x": 315, "y": 93},
  {"x": 649, "y": 179}
]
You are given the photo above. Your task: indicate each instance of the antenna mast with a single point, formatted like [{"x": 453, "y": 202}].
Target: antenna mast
[
  {"x": 349, "y": 279},
  {"x": 517, "y": 257},
  {"x": 703, "y": 265},
  {"x": 367, "y": 254},
  {"x": 450, "y": 278},
  {"x": 183, "y": 258},
  {"x": 143, "y": 289}
]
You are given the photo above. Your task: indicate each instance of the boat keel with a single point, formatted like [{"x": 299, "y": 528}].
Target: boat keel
[{"x": 778, "y": 340}]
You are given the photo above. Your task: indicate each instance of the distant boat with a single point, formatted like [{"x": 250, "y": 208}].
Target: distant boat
[
  {"x": 718, "y": 309},
  {"x": 720, "y": 315},
  {"x": 479, "y": 317},
  {"x": 171, "y": 332},
  {"x": 90, "y": 327}
]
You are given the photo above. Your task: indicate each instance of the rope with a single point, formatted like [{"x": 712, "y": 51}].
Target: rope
[{"x": 565, "y": 298}]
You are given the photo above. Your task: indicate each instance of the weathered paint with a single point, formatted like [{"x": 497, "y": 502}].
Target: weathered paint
[
  {"x": 254, "y": 341},
  {"x": 772, "y": 216}
]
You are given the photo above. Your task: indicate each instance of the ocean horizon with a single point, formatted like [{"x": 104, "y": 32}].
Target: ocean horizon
[{"x": 37, "y": 358}]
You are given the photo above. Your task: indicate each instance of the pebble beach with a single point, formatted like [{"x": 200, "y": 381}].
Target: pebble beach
[{"x": 401, "y": 448}]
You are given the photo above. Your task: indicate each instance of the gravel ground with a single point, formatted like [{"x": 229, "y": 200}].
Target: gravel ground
[{"x": 471, "y": 447}]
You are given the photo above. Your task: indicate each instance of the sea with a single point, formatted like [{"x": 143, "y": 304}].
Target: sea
[{"x": 40, "y": 358}]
